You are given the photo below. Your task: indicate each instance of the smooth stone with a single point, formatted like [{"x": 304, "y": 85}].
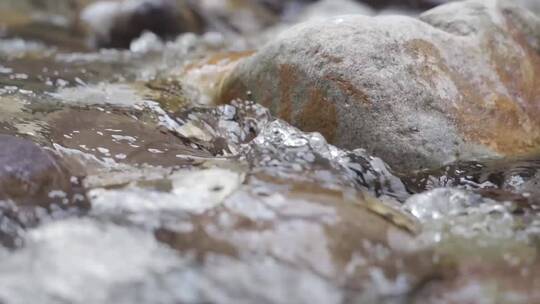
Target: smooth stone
[{"x": 461, "y": 83}]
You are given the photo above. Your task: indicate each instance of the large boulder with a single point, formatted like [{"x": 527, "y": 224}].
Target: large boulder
[{"x": 463, "y": 82}]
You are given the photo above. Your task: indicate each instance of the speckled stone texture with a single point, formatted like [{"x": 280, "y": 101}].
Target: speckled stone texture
[{"x": 460, "y": 83}]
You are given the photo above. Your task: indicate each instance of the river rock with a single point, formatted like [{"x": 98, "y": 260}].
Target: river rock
[
  {"x": 33, "y": 183},
  {"x": 27, "y": 170},
  {"x": 116, "y": 23},
  {"x": 461, "y": 83}
]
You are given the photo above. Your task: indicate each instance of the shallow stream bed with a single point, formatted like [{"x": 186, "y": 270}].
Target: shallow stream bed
[{"x": 177, "y": 200}]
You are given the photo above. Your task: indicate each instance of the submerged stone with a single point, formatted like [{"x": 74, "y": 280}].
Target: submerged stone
[
  {"x": 34, "y": 184},
  {"x": 116, "y": 136},
  {"x": 28, "y": 172}
]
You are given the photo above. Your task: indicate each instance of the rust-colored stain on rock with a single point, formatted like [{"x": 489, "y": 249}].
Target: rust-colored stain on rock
[
  {"x": 318, "y": 114},
  {"x": 212, "y": 81},
  {"x": 508, "y": 124},
  {"x": 232, "y": 56},
  {"x": 348, "y": 89},
  {"x": 198, "y": 240},
  {"x": 287, "y": 83},
  {"x": 231, "y": 90},
  {"x": 315, "y": 114}
]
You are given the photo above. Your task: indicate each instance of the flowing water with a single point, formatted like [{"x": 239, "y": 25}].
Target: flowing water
[{"x": 194, "y": 203}]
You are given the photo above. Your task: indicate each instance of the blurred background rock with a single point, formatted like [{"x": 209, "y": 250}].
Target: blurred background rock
[{"x": 115, "y": 23}]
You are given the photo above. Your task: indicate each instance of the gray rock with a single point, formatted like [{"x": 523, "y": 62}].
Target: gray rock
[{"x": 461, "y": 83}]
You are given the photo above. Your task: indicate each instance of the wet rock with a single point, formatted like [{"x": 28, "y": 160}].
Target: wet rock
[
  {"x": 320, "y": 232},
  {"x": 114, "y": 24},
  {"x": 28, "y": 172},
  {"x": 317, "y": 229},
  {"x": 400, "y": 88},
  {"x": 34, "y": 185},
  {"x": 280, "y": 150},
  {"x": 247, "y": 132},
  {"x": 128, "y": 265},
  {"x": 204, "y": 76},
  {"x": 61, "y": 249},
  {"x": 115, "y": 136}
]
